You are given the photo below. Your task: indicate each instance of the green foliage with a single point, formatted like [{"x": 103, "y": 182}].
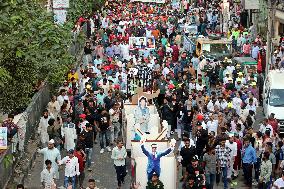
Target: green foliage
[
  {"x": 33, "y": 48},
  {"x": 8, "y": 161}
]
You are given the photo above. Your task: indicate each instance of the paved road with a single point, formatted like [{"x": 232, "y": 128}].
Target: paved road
[{"x": 102, "y": 171}]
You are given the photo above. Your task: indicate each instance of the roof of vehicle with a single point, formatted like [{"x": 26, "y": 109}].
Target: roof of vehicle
[
  {"x": 246, "y": 60},
  {"x": 214, "y": 41},
  {"x": 276, "y": 79}
]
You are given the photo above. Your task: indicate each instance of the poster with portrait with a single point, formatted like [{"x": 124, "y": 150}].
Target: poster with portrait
[
  {"x": 150, "y": 42},
  {"x": 136, "y": 43},
  {"x": 60, "y": 16},
  {"x": 3, "y": 138}
]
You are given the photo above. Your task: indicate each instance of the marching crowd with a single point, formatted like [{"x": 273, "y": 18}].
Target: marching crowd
[{"x": 210, "y": 104}]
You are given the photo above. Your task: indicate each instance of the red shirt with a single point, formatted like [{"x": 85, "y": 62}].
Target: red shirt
[
  {"x": 80, "y": 161},
  {"x": 274, "y": 124}
]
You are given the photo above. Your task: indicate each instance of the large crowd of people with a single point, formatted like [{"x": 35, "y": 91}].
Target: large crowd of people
[{"x": 210, "y": 105}]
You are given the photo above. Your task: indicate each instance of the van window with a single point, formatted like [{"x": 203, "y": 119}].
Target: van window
[{"x": 276, "y": 97}]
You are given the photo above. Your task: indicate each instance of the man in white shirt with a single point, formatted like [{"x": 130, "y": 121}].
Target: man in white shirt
[
  {"x": 166, "y": 71},
  {"x": 212, "y": 124},
  {"x": 48, "y": 175},
  {"x": 265, "y": 126},
  {"x": 119, "y": 155},
  {"x": 234, "y": 149},
  {"x": 68, "y": 131},
  {"x": 42, "y": 128},
  {"x": 71, "y": 168},
  {"x": 60, "y": 98},
  {"x": 279, "y": 183},
  {"x": 254, "y": 100},
  {"x": 237, "y": 103},
  {"x": 251, "y": 106}
]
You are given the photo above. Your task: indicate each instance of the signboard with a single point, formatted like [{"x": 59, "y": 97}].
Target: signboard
[
  {"x": 150, "y": 1},
  {"x": 60, "y": 4},
  {"x": 60, "y": 16},
  {"x": 251, "y": 4},
  {"x": 141, "y": 43},
  {"x": 3, "y": 138}
]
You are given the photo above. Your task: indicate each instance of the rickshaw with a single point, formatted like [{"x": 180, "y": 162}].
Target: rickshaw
[{"x": 246, "y": 63}]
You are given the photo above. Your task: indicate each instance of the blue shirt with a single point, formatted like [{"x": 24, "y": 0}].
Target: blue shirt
[
  {"x": 110, "y": 51},
  {"x": 249, "y": 155}
]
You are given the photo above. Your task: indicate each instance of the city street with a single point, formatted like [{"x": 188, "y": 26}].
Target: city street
[{"x": 104, "y": 172}]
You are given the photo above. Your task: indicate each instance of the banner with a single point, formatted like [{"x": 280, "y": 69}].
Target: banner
[
  {"x": 149, "y": 1},
  {"x": 141, "y": 43},
  {"x": 3, "y": 138},
  {"x": 60, "y": 4}
]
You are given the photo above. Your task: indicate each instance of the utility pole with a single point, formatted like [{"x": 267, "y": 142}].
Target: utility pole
[
  {"x": 268, "y": 41},
  {"x": 271, "y": 6}
]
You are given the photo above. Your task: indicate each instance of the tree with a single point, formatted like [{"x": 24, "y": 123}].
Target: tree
[{"x": 33, "y": 49}]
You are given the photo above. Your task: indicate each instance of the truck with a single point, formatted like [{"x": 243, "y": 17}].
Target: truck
[{"x": 273, "y": 96}]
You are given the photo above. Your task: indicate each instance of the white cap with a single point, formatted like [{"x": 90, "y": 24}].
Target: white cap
[
  {"x": 231, "y": 134},
  {"x": 51, "y": 141},
  {"x": 154, "y": 145},
  {"x": 65, "y": 98}
]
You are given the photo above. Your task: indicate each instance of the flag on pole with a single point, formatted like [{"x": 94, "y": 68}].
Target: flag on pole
[{"x": 259, "y": 65}]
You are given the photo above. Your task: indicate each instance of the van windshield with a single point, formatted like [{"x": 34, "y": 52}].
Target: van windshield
[
  {"x": 216, "y": 48},
  {"x": 276, "y": 97}
]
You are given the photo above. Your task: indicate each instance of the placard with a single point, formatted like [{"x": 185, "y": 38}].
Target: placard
[
  {"x": 140, "y": 43},
  {"x": 252, "y": 4},
  {"x": 60, "y": 16},
  {"x": 60, "y": 4},
  {"x": 150, "y": 43},
  {"x": 3, "y": 138}
]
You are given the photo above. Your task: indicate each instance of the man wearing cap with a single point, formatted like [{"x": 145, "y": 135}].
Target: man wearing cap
[
  {"x": 83, "y": 122},
  {"x": 238, "y": 84},
  {"x": 201, "y": 138},
  {"x": 52, "y": 154},
  {"x": 155, "y": 183},
  {"x": 194, "y": 168},
  {"x": 71, "y": 168},
  {"x": 154, "y": 158},
  {"x": 227, "y": 77}
]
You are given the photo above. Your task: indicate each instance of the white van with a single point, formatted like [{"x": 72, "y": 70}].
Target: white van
[{"x": 273, "y": 96}]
